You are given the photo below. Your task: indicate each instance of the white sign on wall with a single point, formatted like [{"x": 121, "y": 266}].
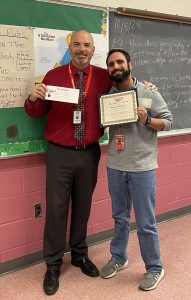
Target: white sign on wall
[
  {"x": 51, "y": 50},
  {"x": 16, "y": 65}
]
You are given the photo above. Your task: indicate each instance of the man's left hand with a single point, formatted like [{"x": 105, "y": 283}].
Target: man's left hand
[{"x": 142, "y": 114}]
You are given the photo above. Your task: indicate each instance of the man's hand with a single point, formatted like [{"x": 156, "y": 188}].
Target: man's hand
[
  {"x": 156, "y": 124},
  {"x": 150, "y": 85},
  {"x": 39, "y": 91},
  {"x": 142, "y": 114}
]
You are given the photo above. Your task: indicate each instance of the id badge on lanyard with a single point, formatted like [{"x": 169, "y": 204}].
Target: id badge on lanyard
[
  {"x": 77, "y": 116},
  {"x": 119, "y": 142}
]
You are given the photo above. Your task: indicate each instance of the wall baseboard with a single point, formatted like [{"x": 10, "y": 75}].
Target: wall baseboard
[{"x": 37, "y": 257}]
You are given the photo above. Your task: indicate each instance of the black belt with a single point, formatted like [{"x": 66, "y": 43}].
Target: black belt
[{"x": 80, "y": 147}]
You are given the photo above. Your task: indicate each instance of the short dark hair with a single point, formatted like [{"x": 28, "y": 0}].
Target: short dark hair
[{"x": 125, "y": 53}]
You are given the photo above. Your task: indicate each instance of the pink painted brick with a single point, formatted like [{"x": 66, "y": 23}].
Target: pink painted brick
[
  {"x": 10, "y": 183},
  {"x": 14, "y": 208},
  {"x": 102, "y": 170},
  {"x": 69, "y": 219},
  {"x": 100, "y": 212},
  {"x": 169, "y": 174},
  {"x": 186, "y": 188},
  {"x": 89, "y": 230},
  {"x": 20, "y": 251},
  {"x": 176, "y": 191},
  {"x": 187, "y": 138},
  {"x": 181, "y": 153},
  {"x": 101, "y": 190},
  {"x": 13, "y": 235},
  {"x": 20, "y": 162},
  {"x": 187, "y": 170},
  {"x": 20, "y": 207},
  {"x": 132, "y": 216},
  {"x": 34, "y": 179},
  {"x": 164, "y": 156},
  {"x": 34, "y": 198},
  {"x": 173, "y": 205},
  {"x": 170, "y": 141},
  {"x": 35, "y": 229},
  {"x": 102, "y": 226},
  {"x": 163, "y": 194}
]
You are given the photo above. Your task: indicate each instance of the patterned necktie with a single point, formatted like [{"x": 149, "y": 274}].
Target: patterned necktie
[{"x": 79, "y": 128}]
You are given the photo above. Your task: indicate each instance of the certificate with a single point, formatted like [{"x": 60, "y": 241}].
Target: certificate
[
  {"x": 118, "y": 108},
  {"x": 62, "y": 94}
]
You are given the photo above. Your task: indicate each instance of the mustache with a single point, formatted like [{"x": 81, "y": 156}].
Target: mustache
[
  {"x": 121, "y": 76},
  {"x": 117, "y": 70}
]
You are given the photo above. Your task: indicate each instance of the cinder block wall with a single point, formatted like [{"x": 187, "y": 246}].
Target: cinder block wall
[{"x": 22, "y": 184}]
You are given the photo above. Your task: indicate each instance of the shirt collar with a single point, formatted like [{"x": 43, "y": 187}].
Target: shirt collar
[{"x": 74, "y": 70}]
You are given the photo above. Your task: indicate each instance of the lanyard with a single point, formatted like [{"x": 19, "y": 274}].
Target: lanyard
[{"x": 88, "y": 81}]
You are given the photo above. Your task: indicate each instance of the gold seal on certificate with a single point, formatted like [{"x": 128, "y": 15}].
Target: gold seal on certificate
[{"x": 118, "y": 108}]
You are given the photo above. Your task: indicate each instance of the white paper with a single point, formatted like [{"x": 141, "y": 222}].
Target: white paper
[
  {"x": 16, "y": 65},
  {"x": 62, "y": 94},
  {"x": 51, "y": 50},
  {"x": 145, "y": 102}
]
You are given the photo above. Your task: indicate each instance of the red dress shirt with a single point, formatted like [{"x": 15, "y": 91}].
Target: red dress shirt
[{"x": 59, "y": 124}]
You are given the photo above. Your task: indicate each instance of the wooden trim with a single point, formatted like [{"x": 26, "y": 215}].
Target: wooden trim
[{"x": 153, "y": 15}]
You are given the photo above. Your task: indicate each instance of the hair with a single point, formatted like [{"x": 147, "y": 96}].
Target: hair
[
  {"x": 82, "y": 30},
  {"x": 126, "y": 54}
]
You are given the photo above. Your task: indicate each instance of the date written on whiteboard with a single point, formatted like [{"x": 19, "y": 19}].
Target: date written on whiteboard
[{"x": 123, "y": 25}]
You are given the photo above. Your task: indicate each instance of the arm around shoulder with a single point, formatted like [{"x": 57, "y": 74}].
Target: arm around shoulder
[{"x": 161, "y": 116}]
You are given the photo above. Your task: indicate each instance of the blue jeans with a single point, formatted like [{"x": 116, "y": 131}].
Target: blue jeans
[{"x": 137, "y": 189}]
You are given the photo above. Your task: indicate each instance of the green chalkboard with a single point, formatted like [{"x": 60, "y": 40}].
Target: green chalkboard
[{"x": 20, "y": 133}]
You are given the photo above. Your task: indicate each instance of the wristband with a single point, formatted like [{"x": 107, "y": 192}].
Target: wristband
[{"x": 148, "y": 120}]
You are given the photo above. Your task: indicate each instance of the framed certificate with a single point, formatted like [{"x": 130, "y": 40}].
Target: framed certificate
[{"x": 118, "y": 108}]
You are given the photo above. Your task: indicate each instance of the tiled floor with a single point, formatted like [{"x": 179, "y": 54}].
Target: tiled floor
[{"x": 175, "y": 242}]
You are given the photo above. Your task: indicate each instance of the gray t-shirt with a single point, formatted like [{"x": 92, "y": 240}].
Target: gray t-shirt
[{"x": 140, "y": 152}]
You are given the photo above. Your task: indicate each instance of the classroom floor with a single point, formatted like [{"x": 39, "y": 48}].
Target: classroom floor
[{"x": 175, "y": 242}]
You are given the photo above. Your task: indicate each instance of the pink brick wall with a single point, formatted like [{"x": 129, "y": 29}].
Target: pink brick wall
[
  {"x": 174, "y": 173},
  {"x": 22, "y": 184}
]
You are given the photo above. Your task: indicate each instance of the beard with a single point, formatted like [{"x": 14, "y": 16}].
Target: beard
[{"x": 120, "y": 77}]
